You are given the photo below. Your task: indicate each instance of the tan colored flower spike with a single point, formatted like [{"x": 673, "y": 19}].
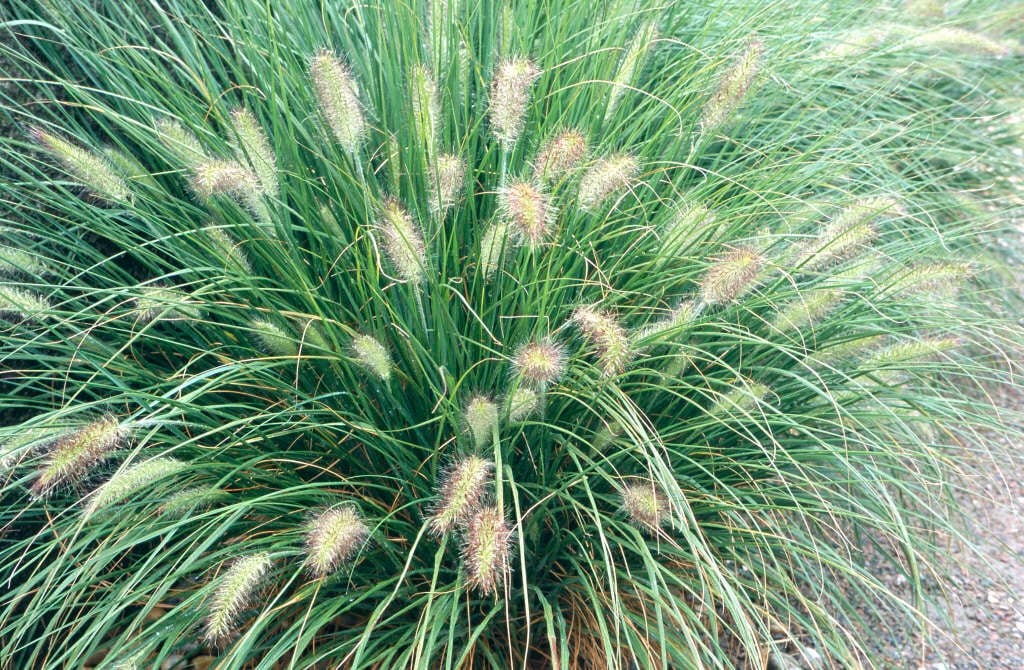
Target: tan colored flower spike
[
  {"x": 488, "y": 542},
  {"x": 510, "y": 93},
  {"x": 333, "y": 537},
  {"x": 461, "y": 493},
  {"x": 338, "y": 95}
]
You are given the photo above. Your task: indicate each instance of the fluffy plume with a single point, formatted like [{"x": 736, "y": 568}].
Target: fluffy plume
[
  {"x": 937, "y": 279},
  {"x": 333, "y": 537},
  {"x": 742, "y": 399},
  {"x": 492, "y": 247},
  {"x": 234, "y": 592},
  {"x": 510, "y": 93},
  {"x": 731, "y": 276},
  {"x": 373, "y": 356},
  {"x": 218, "y": 177},
  {"x": 608, "y": 335},
  {"x": 683, "y": 314},
  {"x": 605, "y": 178},
  {"x": 645, "y": 505},
  {"x": 689, "y": 223},
  {"x": 920, "y": 349},
  {"x": 338, "y": 95},
  {"x": 529, "y": 212},
  {"x": 254, "y": 147},
  {"x": 426, "y": 109},
  {"x": 186, "y": 500},
  {"x": 521, "y": 403},
  {"x": 89, "y": 169},
  {"x": 807, "y": 309},
  {"x": 732, "y": 88},
  {"x": 562, "y": 154},
  {"x": 403, "y": 241},
  {"x": 72, "y": 455},
  {"x": 273, "y": 339},
  {"x": 481, "y": 415},
  {"x": 632, "y": 60},
  {"x": 849, "y": 232},
  {"x": 447, "y": 175},
  {"x": 18, "y": 261},
  {"x": 17, "y": 304},
  {"x": 180, "y": 142},
  {"x": 164, "y": 302},
  {"x": 540, "y": 363},
  {"x": 227, "y": 250},
  {"x": 130, "y": 167},
  {"x": 461, "y": 492},
  {"x": 485, "y": 552},
  {"x": 128, "y": 480},
  {"x": 963, "y": 41}
]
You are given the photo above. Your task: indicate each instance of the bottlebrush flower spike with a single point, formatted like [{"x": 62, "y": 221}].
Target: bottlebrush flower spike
[
  {"x": 510, "y": 93},
  {"x": 937, "y": 279},
  {"x": 521, "y": 404},
  {"x": 338, "y": 95},
  {"x": 848, "y": 233},
  {"x": 162, "y": 301},
  {"x": 646, "y": 506},
  {"x": 227, "y": 250},
  {"x": 562, "y": 154},
  {"x": 540, "y": 363},
  {"x": 403, "y": 242},
  {"x": 216, "y": 177},
  {"x": 807, "y": 309},
  {"x": 254, "y": 147},
  {"x": 14, "y": 261},
  {"x": 233, "y": 594},
  {"x": 180, "y": 142},
  {"x": 373, "y": 356},
  {"x": 447, "y": 175},
  {"x": 528, "y": 212},
  {"x": 333, "y": 537},
  {"x": 186, "y": 500},
  {"x": 690, "y": 221},
  {"x": 608, "y": 335},
  {"x": 485, "y": 553},
  {"x": 731, "y": 276},
  {"x": 89, "y": 169},
  {"x": 732, "y": 88},
  {"x": 481, "y": 415},
  {"x": 273, "y": 339},
  {"x": 20, "y": 305},
  {"x": 605, "y": 178},
  {"x": 128, "y": 480},
  {"x": 460, "y": 493},
  {"x": 74, "y": 454},
  {"x": 426, "y": 110},
  {"x": 632, "y": 59},
  {"x": 493, "y": 246}
]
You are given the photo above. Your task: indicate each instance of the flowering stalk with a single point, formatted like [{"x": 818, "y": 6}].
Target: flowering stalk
[
  {"x": 74, "y": 454},
  {"x": 481, "y": 416},
  {"x": 731, "y": 276},
  {"x": 608, "y": 335},
  {"x": 510, "y": 93},
  {"x": 486, "y": 549},
  {"x": 254, "y": 147},
  {"x": 128, "y": 480},
  {"x": 373, "y": 356},
  {"x": 338, "y": 95},
  {"x": 645, "y": 505},
  {"x": 632, "y": 59},
  {"x": 426, "y": 109},
  {"x": 605, "y": 178},
  {"x": 21, "y": 305},
  {"x": 91, "y": 170},
  {"x": 403, "y": 242},
  {"x": 460, "y": 494},
  {"x": 333, "y": 537},
  {"x": 233, "y": 594},
  {"x": 540, "y": 363},
  {"x": 732, "y": 88},
  {"x": 447, "y": 175},
  {"x": 562, "y": 154},
  {"x": 528, "y": 211}
]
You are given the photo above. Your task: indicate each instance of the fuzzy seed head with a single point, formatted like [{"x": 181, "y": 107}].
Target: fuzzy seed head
[
  {"x": 186, "y": 500},
  {"x": 338, "y": 95},
  {"x": 521, "y": 404},
  {"x": 807, "y": 309},
  {"x": 227, "y": 178},
  {"x": 426, "y": 109},
  {"x": 731, "y": 276},
  {"x": 732, "y": 88},
  {"x": 89, "y": 169},
  {"x": 683, "y": 314},
  {"x": 562, "y": 154},
  {"x": 631, "y": 61},
  {"x": 741, "y": 400},
  {"x": 481, "y": 415},
  {"x": 273, "y": 339},
  {"x": 14, "y": 261},
  {"x": 164, "y": 302},
  {"x": 529, "y": 212},
  {"x": 372, "y": 355},
  {"x": 75, "y": 453},
  {"x": 540, "y": 363},
  {"x": 227, "y": 250},
  {"x": 180, "y": 142},
  {"x": 128, "y": 480},
  {"x": 915, "y": 350},
  {"x": 848, "y": 233},
  {"x": 485, "y": 553},
  {"x": 333, "y": 538},
  {"x": 645, "y": 505},
  {"x": 493, "y": 246},
  {"x": 254, "y": 147},
  {"x": 935, "y": 279},
  {"x": 605, "y": 178},
  {"x": 461, "y": 492},
  {"x": 235, "y": 589},
  {"x": 403, "y": 242},
  {"x": 510, "y": 93},
  {"x": 608, "y": 336},
  {"x": 961, "y": 40},
  {"x": 447, "y": 174},
  {"x": 17, "y": 304},
  {"x": 690, "y": 221},
  {"x": 128, "y": 166}
]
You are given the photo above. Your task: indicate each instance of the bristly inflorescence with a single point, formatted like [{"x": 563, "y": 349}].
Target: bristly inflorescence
[
  {"x": 461, "y": 492},
  {"x": 485, "y": 551},
  {"x": 510, "y": 93},
  {"x": 72, "y": 456},
  {"x": 338, "y": 95},
  {"x": 234, "y": 592},
  {"x": 333, "y": 537}
]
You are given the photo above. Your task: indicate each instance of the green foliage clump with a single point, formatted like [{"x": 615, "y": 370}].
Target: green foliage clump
[{"x": 447, "y": 335}]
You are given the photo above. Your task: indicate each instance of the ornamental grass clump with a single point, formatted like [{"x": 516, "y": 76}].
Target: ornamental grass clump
[{"x": 486, "y": 335}]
